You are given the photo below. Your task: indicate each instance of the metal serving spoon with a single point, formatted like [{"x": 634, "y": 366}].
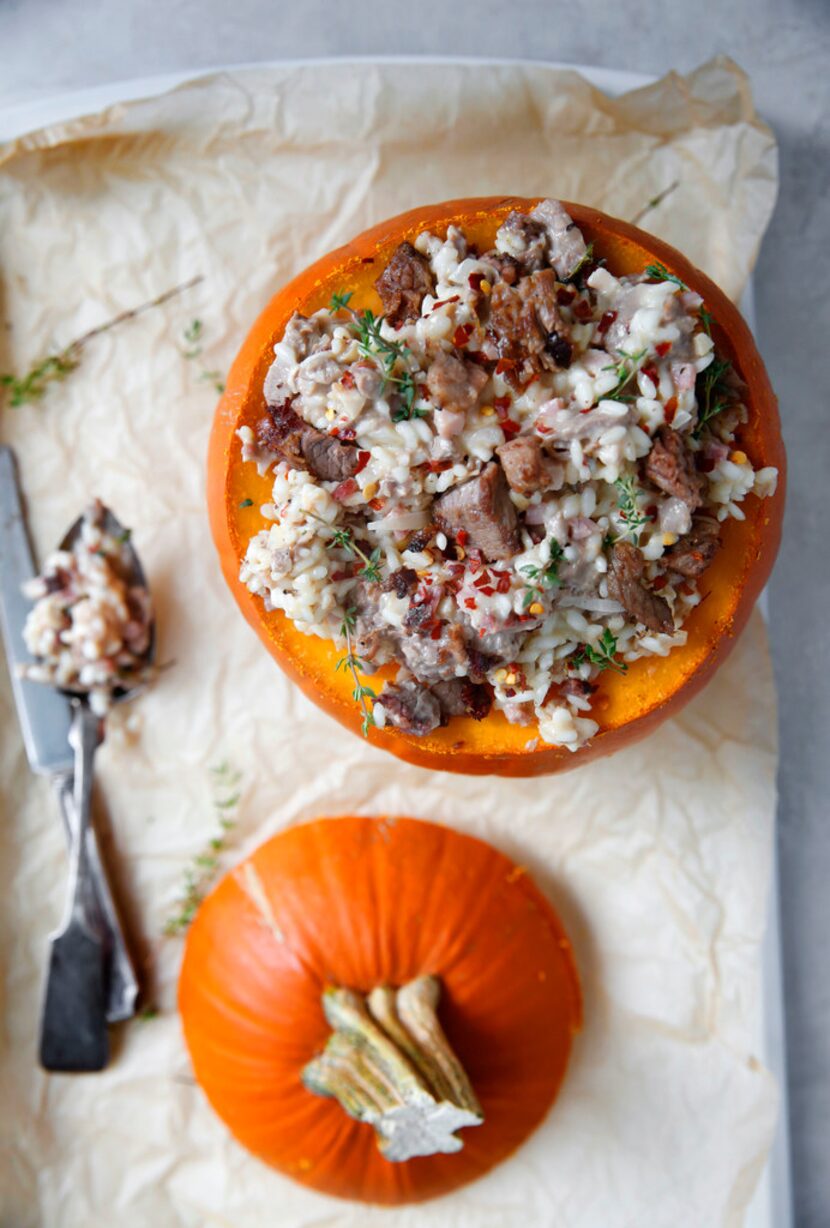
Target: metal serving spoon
[{"x": 73, "y": 1034}]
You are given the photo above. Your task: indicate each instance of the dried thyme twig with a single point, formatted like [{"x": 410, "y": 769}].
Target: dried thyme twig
[
  {"x": 54, "y": 368},
  {"x": 200, "y": 874}
]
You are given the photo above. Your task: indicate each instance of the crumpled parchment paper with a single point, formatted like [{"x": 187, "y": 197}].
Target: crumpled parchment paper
[{"x": 657, "y": 858}]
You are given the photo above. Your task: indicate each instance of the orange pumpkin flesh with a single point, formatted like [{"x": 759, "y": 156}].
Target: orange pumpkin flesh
[
  {"x": 359, "y": 902},
  {"x": 626, "y": 708}
]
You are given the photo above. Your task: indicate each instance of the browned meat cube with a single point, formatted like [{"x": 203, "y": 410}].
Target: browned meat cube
[
  {"x": 695, "y": 551},
  {"x": 626, "y": 586},
  {"x": 403, "y": 284},
  {"x": 483, "y": 510},
  {"x": 525, "y": 465},
  {"x": 327, "y": 457},
  {"x": 525, "y": 321},
  {"x": 461, "y": 697},
  {"x": 411, "y": 708},
  {"x": 671, "y": 467},
  {"x": 454, "y": 384},
  {"x": 304, "y": 447}
]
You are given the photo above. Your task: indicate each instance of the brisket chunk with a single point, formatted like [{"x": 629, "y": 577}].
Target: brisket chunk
[
  {"x": 461, "y": 697},
  {"x": 524, "y": 464},
  {"x": 481, "y": 508},
  {"x": 454, "y": 384},
  {"x": 411, "y": 708},
  {"x": 671, "y": 467},
  {"x": 403, "y": 284},
  {"x": 694, "y": 552},
  {"x": 524, "y": 239},
  {"x": 525, "y": 322},
  {"x": 304, "y": 447},
  {"x": 625, "y": 585}
]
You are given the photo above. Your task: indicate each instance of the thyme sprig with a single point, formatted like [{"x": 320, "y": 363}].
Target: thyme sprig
[
  {"x": 202, "y": 871},
  {"x": 586, "y": 257},
  {"x": 603, "y": 655},
  {"x": 713, "y": 392},
  {"x": 659, "y": 272},
  {"x": 192, "y": 337},
  {"x": 625, "y": 368},
  {"x": 361, "y": 693},
  {"x": 654, "y": 202},
  {"x": 392, "y": 355},
  {"x": 547, "y": 577},
  {"x": 55, "y": 367},
  {"x": 344, "y": 540},
  {"x": 630, "y": 512}
]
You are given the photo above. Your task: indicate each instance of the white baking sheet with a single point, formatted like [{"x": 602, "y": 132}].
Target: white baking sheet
[{"x": 772, "y": 1204}]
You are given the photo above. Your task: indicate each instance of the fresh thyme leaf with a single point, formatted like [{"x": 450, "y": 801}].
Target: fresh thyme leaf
[
  {"x": 602, "y": 655},
  {"x": 246, "y": 503},
  {"x": 339, "y": 301},
  {"x": 625, "y": 368},
  {"x": 200, "y": 874},
  {"x": 193, "y": 332},
  {"x": 372, "y": 344},
  {"x": 706, "y": 320},
  {"x": 544, "y": 576},
  {"x": 54, "y": 368},
  {"x": 659, "y": 272},
  {"x": 352, "y": 663},
  {"x": 371, "y": 565},
  {"x": 215, "y": 378},
  {"x": 630, "y": 514},
  {"x": 343, "y": 539},
  {"x": 584, "y": 259},
  {"x": 713, "y": 393},
  {"x": 124, "y": 537}
]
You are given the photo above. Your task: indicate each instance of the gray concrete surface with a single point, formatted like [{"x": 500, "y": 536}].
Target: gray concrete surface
[{"x": 49, "y": 46}]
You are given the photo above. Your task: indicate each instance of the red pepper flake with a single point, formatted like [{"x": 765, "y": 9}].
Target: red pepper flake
[
  {"x": 651, "y": 371},
  {"x": 487, "y": 590},
  {"x": 462, "y": 536},
  {"x": 377, "y": 505},
  {"x": 542, "y": 429},
  {"x": 503, "y": 585},
  {"x": 462, "y": 335},
  {"x": 344, "y": 490},
  {"x": 583, "y": 310},
  {"x": 659, "y": 582},
  {"x": 663, "y": 348},
  {"x": 435, "y": 633},
  {"x": 482, "y": 580},
  {"x": 442, "y": 302},
  {"x": 363, "y": 459},
  {"x": 510, "y": 427},
  {"x": 423, "y": 391},
  {"x": 438, "y": 466},
  {"x": 475, "y": 280},
  {"x": 501, "y": 405},
  {"x": 606, "y": 322},
  {"x": 651, "y": 510},
  {"x": 470, "y": 603},
  {"x": 504, "y": 365},
  {"x": 705, "y": 465},
  {"x": 347, "y": 379},
  {"x": 685, "y": 589},
  {"x": 565, "y": 296},
  {"x": 510, "y": 692},
  {"x": 670, "y": 410}
]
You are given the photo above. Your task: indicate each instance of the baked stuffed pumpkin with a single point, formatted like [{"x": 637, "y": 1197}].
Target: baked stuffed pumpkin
[{"x": 498, "y": 483}]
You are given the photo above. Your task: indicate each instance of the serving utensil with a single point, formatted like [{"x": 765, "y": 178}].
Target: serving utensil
[{"x": 73, "y": 1027}]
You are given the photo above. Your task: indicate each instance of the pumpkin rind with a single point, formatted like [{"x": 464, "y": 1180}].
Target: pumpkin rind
[
  {"x": 625, "y": 708},
  {"x": 360, "y": 902}
]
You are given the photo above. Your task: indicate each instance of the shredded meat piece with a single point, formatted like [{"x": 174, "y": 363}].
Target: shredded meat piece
[
  {"x": 625, "y": 585},
  {"x": 304, "y": 447},
  {"x": 694, "y": 552},
  {"x": 482, "y": 508},
  {"x": 454, "y": 384},
  {"x": 508, "y": 268},
  {"x": 525, "y": 465},
  {"x": 566, "y": 246},
  {"x": 671, "y": 467},
  {"x": 524, "y": 239},
  {"x": 411, "y": 707},
  {"x": 403, "y": 284},
  {"x": 526, "y": 323},
  {"x": 460, "y": 697}
]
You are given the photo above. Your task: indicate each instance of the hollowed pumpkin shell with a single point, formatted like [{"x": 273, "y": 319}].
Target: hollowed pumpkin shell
[{"x": 626, "y": 708}]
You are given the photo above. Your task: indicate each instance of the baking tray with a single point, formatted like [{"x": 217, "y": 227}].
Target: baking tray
[{"x": 771, "y": 1206}]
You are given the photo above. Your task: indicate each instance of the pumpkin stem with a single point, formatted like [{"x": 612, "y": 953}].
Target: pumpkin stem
[{"x": 389, "y": 1063}]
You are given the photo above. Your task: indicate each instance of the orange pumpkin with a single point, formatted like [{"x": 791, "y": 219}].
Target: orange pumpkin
[
  {"x": 359, "y": 902},
  {"x": 626, "y": 708}
]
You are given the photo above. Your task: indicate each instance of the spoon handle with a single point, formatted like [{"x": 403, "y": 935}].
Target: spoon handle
[{"x": 74, "y": 1028}]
